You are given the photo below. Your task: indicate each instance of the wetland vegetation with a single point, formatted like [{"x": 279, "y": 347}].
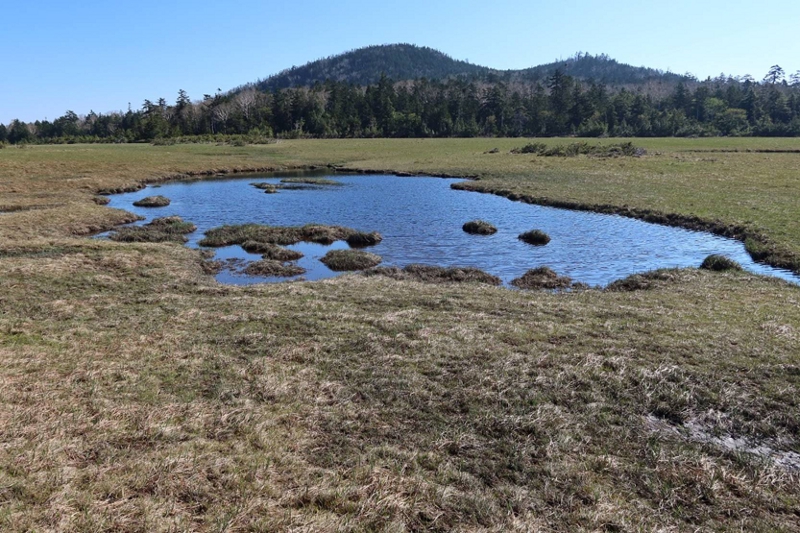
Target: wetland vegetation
[
  {"x": 134, "y": 389},
  {"x": 479, "y": 227},
  {"x": 152, "y": 201},
  {"x": 349, "y": 260}
]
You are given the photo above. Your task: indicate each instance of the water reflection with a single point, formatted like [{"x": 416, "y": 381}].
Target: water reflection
[{"x": 420, "y": 220}]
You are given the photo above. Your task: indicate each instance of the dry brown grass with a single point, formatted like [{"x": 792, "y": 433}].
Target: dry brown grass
[{"x": 136, "y": 394}]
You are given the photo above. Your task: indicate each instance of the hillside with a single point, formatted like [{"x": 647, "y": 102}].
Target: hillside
[
  {"x": 365, "y": 66},
  {"x": 406, "y": 62}
]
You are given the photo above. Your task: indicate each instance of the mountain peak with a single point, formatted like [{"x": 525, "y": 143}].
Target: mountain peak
[{"x": 403, "y": 61}]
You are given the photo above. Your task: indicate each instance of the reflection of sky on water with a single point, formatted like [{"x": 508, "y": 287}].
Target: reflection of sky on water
[{"x": 421, "y": 218}]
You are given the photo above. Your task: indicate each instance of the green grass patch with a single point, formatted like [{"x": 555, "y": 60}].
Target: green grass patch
[{"x": 349, "y": 260}]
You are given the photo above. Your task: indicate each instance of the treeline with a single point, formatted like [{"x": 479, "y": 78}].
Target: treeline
[{"x": 452, "y": 108}]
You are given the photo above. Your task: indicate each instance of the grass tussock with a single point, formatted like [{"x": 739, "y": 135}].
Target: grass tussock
[
  {"x": 268, "y": 188},
  {"x": 152, "y": 201},
  {"x": 282, "y": 235},
  {"x": 624, "y": 149},
  {"x": 542, "y": 278},
  {"x": 271, "y": 251},
  {"x": 165, "y": 229},
  {"x": 350, "y": 260},
  {"x": 311, "y": 181},
  {"x": 101, "y": 200},
  {"x": 719, "y": 263},
  {"x": 436, "y": 274},
  {"x": 645, "y": 282},
  {"x": 360, "y": 239},
  {"x": 479, "y": 227},
  {"x": 535, "y": 237},
  {"x": 272, "y": 268}
]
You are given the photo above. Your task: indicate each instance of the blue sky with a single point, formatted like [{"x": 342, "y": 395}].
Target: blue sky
[{"x": 101, "y": 55}]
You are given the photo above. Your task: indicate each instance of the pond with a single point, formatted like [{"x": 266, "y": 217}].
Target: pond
[{"x": 420, "y": 219}]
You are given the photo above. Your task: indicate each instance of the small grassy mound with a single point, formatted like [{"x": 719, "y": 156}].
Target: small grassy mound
[
  {"x": 101, "y": 200},
  {"x": 311, "y": 181},
  {"x": 530, "y": 148},
  {"x": 479, "y": 227},
  {"x": 542, "y": 278},
  {"x": 271, "y": 251},
  {"x": 360, "y": 239},
  {"x": 535, "y": 236},
  {"x": 624, "y": 149},
  {"x": 272, "y": 268},
  {"x": 719, "y": 263},
  {"x": 268, "y": 188},
  {"x": 166, "y": 229},
  {"x": 152, "y": 201},
  {"x": 643, "y": 282},
  {"x": 283, "y": 235},
  {"x": 436, "y": 274},
  {"x": 348, "y": 260}
]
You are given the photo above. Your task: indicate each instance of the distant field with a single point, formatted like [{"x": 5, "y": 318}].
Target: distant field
[{"x": 136, "y": 394}]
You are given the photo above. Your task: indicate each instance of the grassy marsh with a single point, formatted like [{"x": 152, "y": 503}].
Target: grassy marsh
[
  {"x": 282, "y": 235},
  {"x": 138, "y": 394}
]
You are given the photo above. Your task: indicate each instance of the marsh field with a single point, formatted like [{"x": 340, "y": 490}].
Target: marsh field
[{"x": 138, "y": 394}]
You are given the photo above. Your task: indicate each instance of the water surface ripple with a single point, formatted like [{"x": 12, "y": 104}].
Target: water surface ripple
[{"x": 420, "y": 219}]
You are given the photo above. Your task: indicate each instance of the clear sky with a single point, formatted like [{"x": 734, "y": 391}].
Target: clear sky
[{"x": 100, "y": 55}]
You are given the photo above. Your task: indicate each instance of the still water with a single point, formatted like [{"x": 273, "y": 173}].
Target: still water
[{"x": 420, "y": 219}]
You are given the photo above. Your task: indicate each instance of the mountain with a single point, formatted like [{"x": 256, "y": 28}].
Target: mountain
[
  {"x": 407, "y": 62},
  {"x": 365, "y": 66}
]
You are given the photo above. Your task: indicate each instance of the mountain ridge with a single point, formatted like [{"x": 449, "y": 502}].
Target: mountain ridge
[{"x": 403, "y": 61}]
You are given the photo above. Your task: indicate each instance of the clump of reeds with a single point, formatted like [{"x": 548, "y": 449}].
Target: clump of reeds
[
  {"x": 536, "y": 237},
  {"x": 272, "y": 268},
  {"x": 152, "y": 201},
  {"x": 361, "y": 239},
  {"x": 719, "y": 263},
  {"x": 542, "y": 278},
  {"x": 348, "y": 260},
  {"x": 436, "y": 274},
  {"x": 479, "y": 227},
  {"x": 271, "y": 251},
  {"x": 165, "y": 229}
]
